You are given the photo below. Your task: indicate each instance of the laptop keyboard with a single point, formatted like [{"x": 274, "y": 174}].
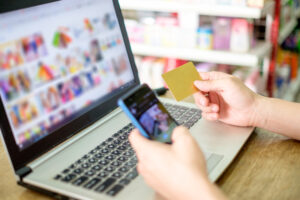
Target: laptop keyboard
[{"x": 111, "y": 166}]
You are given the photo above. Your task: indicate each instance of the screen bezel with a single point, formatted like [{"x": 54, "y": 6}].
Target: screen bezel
[{"x": 20, "y": 158}]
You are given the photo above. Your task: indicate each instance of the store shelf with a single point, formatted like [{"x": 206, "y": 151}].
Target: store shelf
[
  {"x": 287, "y": 30},
  {"x": 293, "y": 90},
  {"x": 201, "y": 9},
  {"x": 252, "y": 58}
]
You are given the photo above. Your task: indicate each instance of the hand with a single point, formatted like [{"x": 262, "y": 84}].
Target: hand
[
  {"x": 176, "y": 171},
  {"x": 225, "y": 98}
]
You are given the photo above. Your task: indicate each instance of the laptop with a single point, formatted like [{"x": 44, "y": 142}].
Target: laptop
[{"x": 63, "y": 66}]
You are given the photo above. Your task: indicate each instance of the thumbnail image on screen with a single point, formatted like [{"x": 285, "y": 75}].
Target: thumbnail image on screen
[{"x": 56, "y": 62}]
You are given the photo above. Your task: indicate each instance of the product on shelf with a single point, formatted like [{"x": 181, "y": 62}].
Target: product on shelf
[
  {"x": 204, "y": 32},
  {"x": 205, "y": 38},
  {"x": 222, "y": 33},
  {"x": 151, "y": 68},
  {"x": 241, "y": 35},
  {"x": 256, "y": 3}
]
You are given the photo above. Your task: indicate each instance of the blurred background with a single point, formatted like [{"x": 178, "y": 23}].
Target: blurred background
[{"x": 255, "y": 40}]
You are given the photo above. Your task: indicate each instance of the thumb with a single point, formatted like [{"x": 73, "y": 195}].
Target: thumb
[
  {"x": 181, "y": 138},
  {"x": 208, "y": 86},
  {"x": 141, "y": 145},
  {"x": 136, "y": 140}
]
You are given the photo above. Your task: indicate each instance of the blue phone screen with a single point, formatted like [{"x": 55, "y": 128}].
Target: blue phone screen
[{"x": 151, "y": 114}]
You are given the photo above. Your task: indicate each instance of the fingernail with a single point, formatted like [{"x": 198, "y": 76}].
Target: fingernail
[
  {"x": 215, "y": 109},
  {"x": 196, "y": 83}
]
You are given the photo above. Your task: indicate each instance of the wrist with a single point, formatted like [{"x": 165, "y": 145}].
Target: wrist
[
  {"x": 203, "y": 188},
  {"x": 259, "y": 117},
  {"x": 209, "y": 191}
]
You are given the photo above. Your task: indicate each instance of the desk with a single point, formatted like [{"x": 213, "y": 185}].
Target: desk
[{"x": 268, "y": 167}]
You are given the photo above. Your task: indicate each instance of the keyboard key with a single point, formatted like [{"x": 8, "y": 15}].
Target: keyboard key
[
  {"x": 134, "y": 159},
  {"x": 93, "y": 151},
  {"x": 92, "y": 183},
  {"x": 122, "y": 137},
  {"x": 128, "y": 153},
  {"x": 132, "y": 175},
  {"x": 122, "y": 159},
  {"x": 104, "y": 151},
  {"x": 66, "y": 171},
  {"x": 110, "y": 157},
  {"x": 116, "y": 152},
  {"x": 116, "y": 163},
  {"x": 124, "y": 169},
  {"x": 57, "y": 177},
  {"x": 78, "y": 171},
  {"x": 85, "y": 165},
  {"x": 188, "y": 124},
  {"x": 90, "y": 173},
  {"x": 117, "y": 141},
  {"x": 109, "y": 139},
  {"x": 117, "y": 175},
  {"x": 122, "y": 148},
  {"x": 130, "y": 163},
  {"x": 99, "y": 155},
  {"x": 79, "y": 161},
  {"x": 72, "y": 166},
  {"x": 116, "y": 134},
  {"x": 105, "y": 185},
  {"x": 97, "y": 167},
  {"x": 92, "y": 160},
  {"x": 111, "y": 146},
  {"x": 103, "y": 162},
  {"x": 80, "y": 180},
  {"x": 115, "y": 190},
  {"x": 103, "y": 144},
  {"x": 127, "y": 144},
  {"x": 68, "y": 177},
  {"x": 109, "y": 169},
  {"x": 124, "y": 181},
  {"x": 103, "y": 174}
]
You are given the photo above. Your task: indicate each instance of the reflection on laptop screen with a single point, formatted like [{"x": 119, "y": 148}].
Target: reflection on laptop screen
[{"x": 55, "y": 61}]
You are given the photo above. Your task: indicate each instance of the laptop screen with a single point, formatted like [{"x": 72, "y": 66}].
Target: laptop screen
[{"x": 58, "y": 63}]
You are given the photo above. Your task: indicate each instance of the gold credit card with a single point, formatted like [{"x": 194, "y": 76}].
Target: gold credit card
[{"x": 181, "y": 81}]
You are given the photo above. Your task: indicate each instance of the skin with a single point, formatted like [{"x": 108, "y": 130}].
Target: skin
[
  {"x": 178, "y": 171},
  {"x": 231, "y": 102}
]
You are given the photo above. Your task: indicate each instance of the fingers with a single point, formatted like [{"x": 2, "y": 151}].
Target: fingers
[
  {"x": 181, "y": 139},
  {"x": 137, "y": 140},
  {"x": 201, "y": 99},
  {"x": 144, "y": 148},
  {"x": 179, "y": 133},
  {"x": 211, "y": 85},
  {"x": 204, "y": 103},
  {"x": 211, "y": 116},
  {"x": 210, "y": 108},
  {"x": 212, "y": 75}
]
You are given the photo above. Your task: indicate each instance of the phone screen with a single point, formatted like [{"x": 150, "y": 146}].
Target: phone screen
[{"x": 151, "y": 114}]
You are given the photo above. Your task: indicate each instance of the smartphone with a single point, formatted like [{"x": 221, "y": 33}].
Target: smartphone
[{"x": 148, "y": 114}]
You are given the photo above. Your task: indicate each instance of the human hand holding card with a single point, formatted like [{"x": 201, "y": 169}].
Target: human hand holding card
[{"x": 181, "y": 81}]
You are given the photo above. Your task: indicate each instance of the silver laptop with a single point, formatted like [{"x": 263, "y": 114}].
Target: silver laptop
[{"x": 63, "y": 66}]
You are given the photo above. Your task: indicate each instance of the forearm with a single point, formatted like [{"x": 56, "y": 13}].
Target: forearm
[
  {"x": 278, "y": 116},
  {"x": 202, "y": 188}
]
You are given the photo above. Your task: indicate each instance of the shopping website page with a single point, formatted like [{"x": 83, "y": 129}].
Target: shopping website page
[{"x": 56, "y": 60}]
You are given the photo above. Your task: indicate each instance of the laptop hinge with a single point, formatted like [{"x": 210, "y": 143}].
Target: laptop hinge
[{"x": 23, "y": 172}]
